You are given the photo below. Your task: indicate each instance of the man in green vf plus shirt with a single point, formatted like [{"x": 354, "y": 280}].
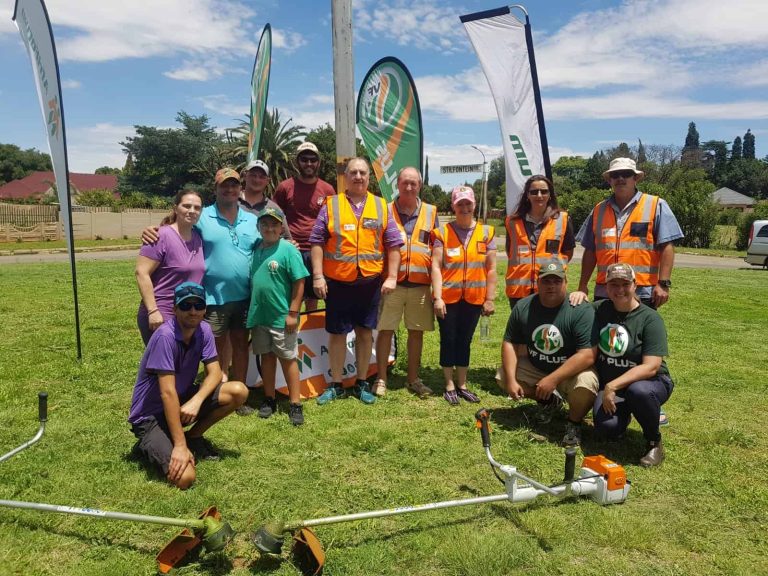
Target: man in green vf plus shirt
[{"x": 548, "y": 346}]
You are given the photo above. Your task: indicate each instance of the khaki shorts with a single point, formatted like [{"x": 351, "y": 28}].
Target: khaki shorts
[
  {"x": 265, "y": 339},
  {"x": 528, "y": 376},
  {"x": 225, "y": 317},
  {"x": 413, "y": 303}
]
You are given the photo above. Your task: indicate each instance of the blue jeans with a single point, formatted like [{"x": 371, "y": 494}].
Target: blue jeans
[
  {"x": 643, "y": 400},
  {"x": 456, "y": 331}
]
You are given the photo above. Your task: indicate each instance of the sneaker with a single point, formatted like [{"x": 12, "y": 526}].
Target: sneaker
[
  {"x": 550, "y": 409},
  {"x": 245, "y": 410},
  {"x": 663, "y": 418},
  {"x": 467, "y": 395},
  {"x": 267, "y": 408},
  {"x": 202, "y": 448},
  {"x": 451, "y": 397},
  {"x": 379, "y": 387},
  {"x": 362, "y": 391},
  {"x": 296, "y": 414},
  {"x": 419, "y": 388},
  {"x": 334, "y": 391},
  {"x": 572, "y": 434},
  {"x": 654, "y": 455}
]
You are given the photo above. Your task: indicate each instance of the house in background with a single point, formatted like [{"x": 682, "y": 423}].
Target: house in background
[
  {"x": 728, "y": 198},
  {"x": 40, "y": 184}
]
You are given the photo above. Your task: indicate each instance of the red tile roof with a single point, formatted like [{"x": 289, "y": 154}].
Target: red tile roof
[{"x": 38, "y": 183}]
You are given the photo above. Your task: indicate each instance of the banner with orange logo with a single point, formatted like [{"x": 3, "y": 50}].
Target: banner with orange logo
[
  {"x": 31, "y": 18},
  {"x": 389, "y": 120},
  {"x": 314, "y": 367},
  {"x": 259, "y": 91}
]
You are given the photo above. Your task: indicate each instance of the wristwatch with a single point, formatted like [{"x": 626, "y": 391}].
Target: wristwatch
[{"x": 666, "y": 284}]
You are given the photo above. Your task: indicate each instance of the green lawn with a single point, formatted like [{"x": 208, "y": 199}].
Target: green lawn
[
  {"x": 704, "y": 511},
  {"x": 61, "y": 244}
]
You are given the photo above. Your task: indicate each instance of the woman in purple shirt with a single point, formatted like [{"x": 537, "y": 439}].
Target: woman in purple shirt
[{"x": 176, "y": 257}]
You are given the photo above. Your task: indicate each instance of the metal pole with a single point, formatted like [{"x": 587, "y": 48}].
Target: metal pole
[
  {"x": 484, "y": 196},
  {"x": 343, "y": 87}
]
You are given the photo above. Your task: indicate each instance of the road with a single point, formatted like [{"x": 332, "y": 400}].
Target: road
[{"x": 681, "y": 260}]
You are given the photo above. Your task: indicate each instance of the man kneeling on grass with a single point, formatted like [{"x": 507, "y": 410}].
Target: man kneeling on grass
[{"x": 166, "y": 398}]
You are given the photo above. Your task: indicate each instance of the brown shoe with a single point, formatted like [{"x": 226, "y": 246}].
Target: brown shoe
[
  {"x": 655, "y": 455},
  {"x": 419, "y": 388}
]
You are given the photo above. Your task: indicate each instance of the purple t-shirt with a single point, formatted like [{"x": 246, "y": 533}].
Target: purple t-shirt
[
  {"x": 180, "y": 261},
  {"x": 320, "y": 233},
  {"x": 166, "y": 353}
]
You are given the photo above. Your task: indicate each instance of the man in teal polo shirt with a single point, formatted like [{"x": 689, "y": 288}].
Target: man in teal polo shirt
[{"x": 229, "y": 234}]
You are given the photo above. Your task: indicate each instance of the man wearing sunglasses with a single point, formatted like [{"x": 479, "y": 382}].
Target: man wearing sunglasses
[
  {"x": 630, "y": 227},
  {"x": 166, "y": 398},
  {"x": 300, "y": 198}
]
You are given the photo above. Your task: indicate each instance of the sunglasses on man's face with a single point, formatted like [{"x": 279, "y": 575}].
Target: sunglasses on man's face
[
  {"x": 626, "y": 174},
  {"x": 187, "y": 305}
]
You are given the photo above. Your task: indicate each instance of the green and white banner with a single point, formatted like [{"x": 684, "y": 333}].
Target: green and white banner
[
  {"x": 389, "y": 120},
  {"x": 259, "y": 91},
  {"x": 31, "y": 18},
  {"x": 504, "y": 46}
]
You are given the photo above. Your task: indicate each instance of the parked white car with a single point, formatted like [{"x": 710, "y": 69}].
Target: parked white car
[{"x": 757, "y": 248}]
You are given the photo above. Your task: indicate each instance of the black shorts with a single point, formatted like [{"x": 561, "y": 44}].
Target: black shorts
[{"x": 155, "y": 442}]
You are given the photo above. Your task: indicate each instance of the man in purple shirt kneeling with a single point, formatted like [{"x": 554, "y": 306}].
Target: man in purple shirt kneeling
[{"x": 166, "y": 397}]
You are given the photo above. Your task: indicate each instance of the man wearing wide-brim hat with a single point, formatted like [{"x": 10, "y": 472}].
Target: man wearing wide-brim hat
[{"x": 632, "y": 227}]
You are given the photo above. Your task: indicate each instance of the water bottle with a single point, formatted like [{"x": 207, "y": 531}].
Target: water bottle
[{"x": 485, "y": 328}]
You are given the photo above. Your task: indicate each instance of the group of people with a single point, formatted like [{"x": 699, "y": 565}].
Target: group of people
[{"x": 247, "y": 264}]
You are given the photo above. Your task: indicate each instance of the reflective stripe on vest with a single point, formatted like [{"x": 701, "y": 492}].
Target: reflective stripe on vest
[
  {"x": 463, "y": 270},
  {"x": 638, "y": 250},
  {"x": 354, "y": 245},
  {"x": 416, "y": 255},
  {"x": 522, "y": 263}
]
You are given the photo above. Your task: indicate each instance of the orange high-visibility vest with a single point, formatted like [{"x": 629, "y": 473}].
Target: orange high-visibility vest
[
  {"x": 355, "y": 245},
  {"x": 463, "y": 270},
  {"x": 636, "y": 245},
  {"x": 416, "y": 252},
  {"x": 523, "y": 263}
]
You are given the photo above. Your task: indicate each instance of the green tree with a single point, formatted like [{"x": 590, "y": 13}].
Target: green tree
[
  {"x": 736, "y": 148},
  {"x": 324, "y": 137},
  {"x": 569, "y": 167},
  {"x": 642, "y": 157},
  {"x": 715, "y": 159},
  {"x": 426, "y": 172},
  {"x": 620, "y": 151},
  {"x": 691, "y": 149},
  {"x": 580, "y": 203},
  {"x": 747, "y": 176},
  {"x": 16, "y": 163},
  {"x": 166, "y": 159},
  {"x": 107, "y": 170},
  {"x": 748, "y": 151},
  {"x": 592, "y": 176},
  {"x": 97, "y": 198}
]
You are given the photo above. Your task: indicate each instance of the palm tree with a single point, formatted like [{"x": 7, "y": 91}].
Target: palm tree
[{"x": 278, "y": 144}]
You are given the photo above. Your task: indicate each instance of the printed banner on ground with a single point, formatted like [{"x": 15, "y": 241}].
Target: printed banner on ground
[
  {"x": 501, "y": 43},
  {"x": 314, "y": 367},
  {"x": 259, "y": 91},
  {"x": 389, "y": 120}
]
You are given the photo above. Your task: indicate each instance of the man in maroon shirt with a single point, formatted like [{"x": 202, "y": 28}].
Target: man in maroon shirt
[{"x": 301, "y": 198}]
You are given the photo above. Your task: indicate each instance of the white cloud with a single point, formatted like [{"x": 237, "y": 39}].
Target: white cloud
[
  {"x": 71, "y": 84},
  {"x": 287, "y": 40},
  {"x": 90, "y": 147},
  {"x": 754, "y": 75},
  {"x": 223, "y": 104},
  {"x": 200, "y": 71}
]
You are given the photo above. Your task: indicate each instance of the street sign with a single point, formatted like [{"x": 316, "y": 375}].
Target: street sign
[{"x": 461, "y": 168}]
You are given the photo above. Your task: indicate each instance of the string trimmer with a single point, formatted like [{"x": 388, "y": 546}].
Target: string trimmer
[
  {"x": 206, "y": 531},
  {"x": 599, "y": 478}
]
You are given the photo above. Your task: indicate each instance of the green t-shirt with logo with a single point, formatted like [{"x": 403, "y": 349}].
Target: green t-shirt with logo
[
  {"x": 552, "y": 335},
  {"x": 273, "y": 272},
  {"x": 623, "y": 338}
]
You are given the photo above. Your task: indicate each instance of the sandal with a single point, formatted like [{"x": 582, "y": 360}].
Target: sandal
[
  {"x": 451, "y": 397},
  {"x": 467, "y": 395},
  {"x": 379, "y": 387}
]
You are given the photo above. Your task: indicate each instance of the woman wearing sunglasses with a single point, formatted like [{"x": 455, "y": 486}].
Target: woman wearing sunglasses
[
  {"x": 176, "y": 257},
  {"x": 538, "y": 231}
]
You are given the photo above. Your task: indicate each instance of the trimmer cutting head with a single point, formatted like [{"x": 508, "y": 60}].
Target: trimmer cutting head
[
  {"x": 269, "y": 538},
  {"x": 216, "y": 534},
  {"x": 307, "y": 551}
]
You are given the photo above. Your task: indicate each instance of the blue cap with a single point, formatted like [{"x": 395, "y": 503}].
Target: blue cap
[{"x": 187, "y": 290}]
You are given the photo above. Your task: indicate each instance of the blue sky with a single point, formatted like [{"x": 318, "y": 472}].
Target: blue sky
[{"x": 610, "y": 71}]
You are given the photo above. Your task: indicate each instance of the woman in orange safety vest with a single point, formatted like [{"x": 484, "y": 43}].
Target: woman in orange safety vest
[
  {"x": 538, "y": 231},
  {"x": 463, "y": 288}
]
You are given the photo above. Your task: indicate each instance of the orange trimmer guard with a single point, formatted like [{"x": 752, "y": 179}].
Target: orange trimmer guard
[{"x": 185, "y": 547}]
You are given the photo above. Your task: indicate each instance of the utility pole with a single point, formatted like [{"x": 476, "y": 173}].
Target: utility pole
[
  {"x": 484, "y": 195},
  {"x": 343, "y": 87}
]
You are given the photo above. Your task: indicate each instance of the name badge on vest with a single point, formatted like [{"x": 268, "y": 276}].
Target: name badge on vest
[
  {"x": 638, "y": 229},
  {"x": 424, "y": 236},
  {"x": 370, "y": 223},
  {"x": 523, "y": 250},
  {"x": 553, "y": 246},
  {"x": 349, "y": 227},
  {"x": 608, "y": 232},
  {"x": 453, "y": 252},
  {"x": 482, "y": 247}
]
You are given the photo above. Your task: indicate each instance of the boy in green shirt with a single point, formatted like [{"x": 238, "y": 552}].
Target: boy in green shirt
[{"x": 277, "y": 288}]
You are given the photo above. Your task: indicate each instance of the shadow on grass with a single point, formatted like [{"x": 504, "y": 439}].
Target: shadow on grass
[{"x": 153, "y": 472}]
